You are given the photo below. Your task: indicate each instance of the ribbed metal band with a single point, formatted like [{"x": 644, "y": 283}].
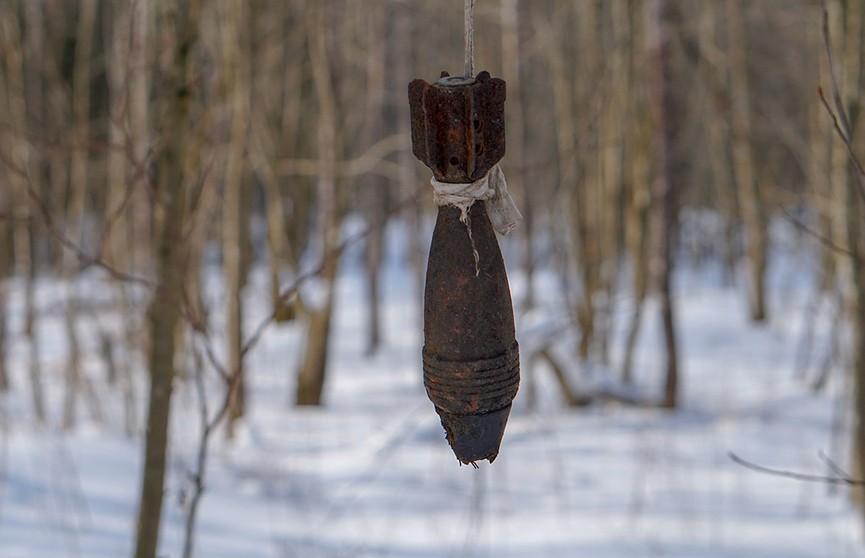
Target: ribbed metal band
[{"x": 473, "y": 387}]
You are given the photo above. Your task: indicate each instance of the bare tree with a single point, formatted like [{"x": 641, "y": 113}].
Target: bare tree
[
  {"x": 78, "y": 183},
  {"x": 178, "y": 24},
  {"x": 511, "y": 54},
  {"x": 374, "y": 190},
  {"x": 236, "y": 63},
  {"x": 638, "y": 202},
  {"x": 847, "y": 72},
  {"x": 661, "y": 20},
  {"x": 750, "y": 193},
  {"x": 19, "y": 178},
  {"x": 310, "y": 377}
]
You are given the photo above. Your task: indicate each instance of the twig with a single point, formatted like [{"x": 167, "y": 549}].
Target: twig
[
  {"x": 842, "y": 477},
  {"x": 207, "y": 426},
  {"x": 832, "y": 465},
  {"x": 87, "y": 260},
  {"x": 858, "y": 170},
  {"x": 823, "y": 239},
  {"x": 286, "y": 294},
  {"x": 840, "y": 121}
]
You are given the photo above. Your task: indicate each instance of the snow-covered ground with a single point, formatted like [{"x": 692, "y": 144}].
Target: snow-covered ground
[{"x": 370, "y": 474}]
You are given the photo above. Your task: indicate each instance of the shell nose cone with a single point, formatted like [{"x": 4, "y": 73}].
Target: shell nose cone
[{"x": 475, "y": 437}]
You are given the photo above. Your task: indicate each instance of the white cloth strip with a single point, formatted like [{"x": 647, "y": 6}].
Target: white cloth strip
[{"x": 492, "y": 189}]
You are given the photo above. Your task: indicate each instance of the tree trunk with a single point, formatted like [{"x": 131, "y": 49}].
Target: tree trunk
[
  {"x": 718, "y": 137},
  {"x": 179, "y": 23},
  {"x": 403, "y": 28},
  {"x": 586, "y": 206},
  {"x": 75, "y": 212},
  {"x": 750, "y": 193},
  {"x": 638, "y": 204},
  {"x": 511, "y": 52},
  {"x": 118, "y": 171},
  {"x": 848, "y": 56},
  {"x": 374, "y": 194},
  {"x": 311, "y": 376},
  {"x": 273, "y": 134},
  {"x": 660, "y": 25},
  {"x": 13, "y": 99},
  {"x": 236, "y": 62},
  {"x": 5, "y": 274},
  {"x": 612, "y": 138},
  {"x": 117, "y": 168}
]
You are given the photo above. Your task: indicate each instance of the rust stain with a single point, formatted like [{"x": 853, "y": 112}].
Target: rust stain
[{"x": 470, "y": 356}]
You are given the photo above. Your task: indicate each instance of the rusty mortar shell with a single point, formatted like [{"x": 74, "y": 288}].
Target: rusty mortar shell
[{"x": 470, "y": 355}]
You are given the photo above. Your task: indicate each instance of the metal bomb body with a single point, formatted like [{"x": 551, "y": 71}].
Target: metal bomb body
[{"x": 470, "y": 355}]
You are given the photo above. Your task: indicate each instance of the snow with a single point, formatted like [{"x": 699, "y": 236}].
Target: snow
[{"x": 369, "y": 474}]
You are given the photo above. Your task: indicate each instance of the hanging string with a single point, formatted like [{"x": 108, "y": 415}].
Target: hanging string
[{"x": 470, "y": 38}]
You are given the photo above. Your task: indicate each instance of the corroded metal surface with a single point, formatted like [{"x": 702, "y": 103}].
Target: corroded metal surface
[
  {"x": 470, "y": 356},
  {"x": 458, "y": 131}
]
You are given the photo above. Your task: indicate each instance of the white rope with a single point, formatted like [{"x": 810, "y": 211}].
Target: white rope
[
  {"x": 491, "y": 189},
  {"x": 470, "y": 38}
]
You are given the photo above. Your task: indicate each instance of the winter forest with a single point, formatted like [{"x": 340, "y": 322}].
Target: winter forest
[{"x": 214, "y": 238}]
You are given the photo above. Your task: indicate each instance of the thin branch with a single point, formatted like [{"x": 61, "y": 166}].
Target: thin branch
[
  {"x": 14, "y": 219},
  {"x": 286, "y": 294},
  {"x": 823, "y": 239},
  {"x": 87, "y": 260},
  {"x": 839, "y": 129},
  {"x": 842, "y": 479},
  {"x": 362, "y": 164},
  {"x": 840, "y": 121},
  {"x": 832, "y": 465}
]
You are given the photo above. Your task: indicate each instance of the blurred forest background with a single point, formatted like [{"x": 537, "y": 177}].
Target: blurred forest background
[{"x": 147, "y": 146}]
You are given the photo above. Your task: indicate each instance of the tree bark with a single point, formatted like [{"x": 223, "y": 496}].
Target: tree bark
[
  {"x": 14, "y": 99},
  {"x": 274, "y": 131},
  {"x": 311, "y": 376},
  {"x": 848, "y": 54},
  {"x": 75, "y": 212},
  {"x": 660, "y": 22},
  {"x": 403, "y": 28},
  {"x": 236, "y": 62},
  {"x": 638, "y": 204},
  {"x": 511, "y": 53},
  {"x": 179, "y": 23},
  {"x": 718, "y": 137},
  {"x": 374, "y": 192},
  {"x": 750, "y": 193}
]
